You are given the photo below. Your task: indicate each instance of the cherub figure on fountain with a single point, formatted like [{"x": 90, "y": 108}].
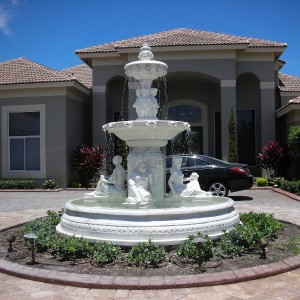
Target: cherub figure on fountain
[
  {"x": 193, "y": 188},
  {"x": 176, "y": 178},
  {"x": 139, "y": 185},
  {"x": 114, "y": 184},
  {"x": 146, "y": 105}
]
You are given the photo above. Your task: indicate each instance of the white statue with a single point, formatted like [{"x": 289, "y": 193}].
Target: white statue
[
  {"x": 193, "y": 188},
  {"x": 146, "y": 105},
  {"x": 140, "y": 182},
  {"x": 176, "y": 177},
  {"x": 114, "y": 184}
]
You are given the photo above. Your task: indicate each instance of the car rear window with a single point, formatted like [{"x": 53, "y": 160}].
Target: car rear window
[{"x": 196, "y": 162}]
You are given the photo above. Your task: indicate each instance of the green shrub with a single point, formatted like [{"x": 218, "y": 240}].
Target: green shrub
[
  {"x": 188, "y": 249},
  {"x": 146, "y": 254},
  {"x": 261, "y": 181},
  {"x": 277, "y": 181},
  {"x": 44, "y": 228},
  {"x": 50, "y": 184},
  {"x": 17, "y": 184},
  {"x": 104, "y": 253},
  {"x": 294, "y": 141},
  {"x": 261, "y": 225},
  {"x": 71, "y": 248},
  {"x": 291, "y": 186},
  {"x": 231, "y": 244},
  {"x": 76, "y": 185}
]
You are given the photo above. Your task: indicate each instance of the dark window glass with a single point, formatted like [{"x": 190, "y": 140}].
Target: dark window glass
[
  {"x": 24, "y": 124},
  {"x": 246, "y": 136},
  {"x": 17, "y": 154},
  {"x": 196, "y": 162},
  {"x": 32, "y": 146},
  {"x": 185, "y": 113}
]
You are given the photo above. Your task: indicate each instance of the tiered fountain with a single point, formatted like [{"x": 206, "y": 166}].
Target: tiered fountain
[{"x": 144, "y": 211}]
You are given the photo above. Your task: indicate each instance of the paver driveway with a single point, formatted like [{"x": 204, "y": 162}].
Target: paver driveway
[{"x": 17, "y": 207}]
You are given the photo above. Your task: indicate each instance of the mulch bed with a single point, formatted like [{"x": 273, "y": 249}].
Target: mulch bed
[{"x": 21, "y": 254}]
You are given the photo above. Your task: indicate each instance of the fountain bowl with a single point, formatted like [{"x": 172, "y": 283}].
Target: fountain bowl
[
  {"x": 146, "y": 70},
  {"x": 155, "y": 133},
  {"x": 164, "y": 226}
]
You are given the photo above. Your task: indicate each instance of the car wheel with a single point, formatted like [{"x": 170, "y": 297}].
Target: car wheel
[{"x": 218, "y": 188}]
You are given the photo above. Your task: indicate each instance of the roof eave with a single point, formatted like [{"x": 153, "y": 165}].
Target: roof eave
[
  {"x": 286, "y": 109},
  {"x": 72, "y": 83}
]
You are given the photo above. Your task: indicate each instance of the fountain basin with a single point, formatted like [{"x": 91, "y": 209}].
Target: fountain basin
[
  {"x": 146, "y": 131},
  {"x": 164, "y": 226},
  {"x": 146, "y": 70}
]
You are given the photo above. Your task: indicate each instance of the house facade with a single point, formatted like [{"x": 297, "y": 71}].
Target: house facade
[{"x": 46, "y": 113}]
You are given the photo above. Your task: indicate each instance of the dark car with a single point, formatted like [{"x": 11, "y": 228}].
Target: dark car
[{"x": 216, "y": 176}]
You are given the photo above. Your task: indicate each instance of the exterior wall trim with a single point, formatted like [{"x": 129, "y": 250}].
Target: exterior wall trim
[
  {"x": 228, "y": 83},
  {"x": 267, "y": 85},
  {"x": 99, "y": 89}
]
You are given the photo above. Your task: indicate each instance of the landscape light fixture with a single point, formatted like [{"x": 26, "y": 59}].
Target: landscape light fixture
[
  {"x": 263, "y": 244},
  {"x": 32, "y": 237},
  {"x": 11, "y": 238}
]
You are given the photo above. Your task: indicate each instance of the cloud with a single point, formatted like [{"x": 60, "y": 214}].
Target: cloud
[{"x": 5, "y": 16}]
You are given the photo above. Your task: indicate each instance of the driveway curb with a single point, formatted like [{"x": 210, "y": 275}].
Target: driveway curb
[{"x": 152, "y": 282}]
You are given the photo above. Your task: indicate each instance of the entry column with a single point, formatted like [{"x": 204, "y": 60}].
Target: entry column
[
  {"x": 228, "y": 102},
  {"x": 99, "y": 115},
  {"x": 267, "y": 106}
]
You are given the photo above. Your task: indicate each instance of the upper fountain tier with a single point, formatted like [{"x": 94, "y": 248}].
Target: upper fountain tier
[{"x": 146, "y": 69}]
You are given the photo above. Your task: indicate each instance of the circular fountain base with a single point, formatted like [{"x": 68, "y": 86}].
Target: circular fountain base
[{"x": 164, "y": 226}]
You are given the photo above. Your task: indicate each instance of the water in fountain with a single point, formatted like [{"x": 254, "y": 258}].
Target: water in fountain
[{"x": 144, "y": 211}]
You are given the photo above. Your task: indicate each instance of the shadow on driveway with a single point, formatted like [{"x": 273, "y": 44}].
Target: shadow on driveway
[{"x": 241, "y": 198}]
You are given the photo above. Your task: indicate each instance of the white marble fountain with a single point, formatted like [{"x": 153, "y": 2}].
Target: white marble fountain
[{"x": 143, "y": 210}]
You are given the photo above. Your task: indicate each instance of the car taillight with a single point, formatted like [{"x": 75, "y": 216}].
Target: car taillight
[{"x": 239, "y": 170}]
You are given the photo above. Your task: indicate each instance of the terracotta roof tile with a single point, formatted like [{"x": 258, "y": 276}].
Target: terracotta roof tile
[
  {"x": 181, "y": 37},
  {"x": 83, "y": 73},
  {"x": 295, "y": 101},
  {"x": 289, "y": 83},
  {"x": 22, "y": 70}
]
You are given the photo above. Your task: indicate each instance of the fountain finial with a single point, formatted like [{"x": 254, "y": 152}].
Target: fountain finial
[{"x": 145, "y": 52}]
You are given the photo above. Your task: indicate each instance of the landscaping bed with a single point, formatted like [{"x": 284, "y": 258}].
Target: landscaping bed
[{"x": 77, "y": 256}]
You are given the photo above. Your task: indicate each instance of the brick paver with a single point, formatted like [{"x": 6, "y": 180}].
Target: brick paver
[{"x": 21, "y": 207}]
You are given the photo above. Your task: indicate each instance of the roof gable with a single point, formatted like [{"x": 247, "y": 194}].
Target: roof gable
[
  {"x": 181, "y": 37},
  {"x": 289, "y": 83}
]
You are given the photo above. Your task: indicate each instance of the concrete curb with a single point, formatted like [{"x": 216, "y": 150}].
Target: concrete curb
[{"x": 152, "y": 282}]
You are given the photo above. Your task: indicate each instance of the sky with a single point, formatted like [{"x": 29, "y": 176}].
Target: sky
[{"x": 49, "y": 31}]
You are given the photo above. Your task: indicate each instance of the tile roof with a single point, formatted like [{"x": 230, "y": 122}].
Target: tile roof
[
  {"x": 83, "y": 73},
  {"x": 22, "y": 70},
  {"x": 295, "y": 101},
  {"x": 289, "y": 83},
  {"x": 182, "y": 37}
]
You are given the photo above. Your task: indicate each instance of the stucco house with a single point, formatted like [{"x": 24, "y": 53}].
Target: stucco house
[{"x": 46, "y": 113}]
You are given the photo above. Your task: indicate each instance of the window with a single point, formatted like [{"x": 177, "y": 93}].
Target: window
[
  {"x": 24, "y": 141},
  {"x": 23, "y": 148},
  {"x": 185, "y": 113}
]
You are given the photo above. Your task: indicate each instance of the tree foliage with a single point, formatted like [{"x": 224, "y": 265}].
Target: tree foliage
[
  {"x": 88, "y": 161},
  {"x": 232, "y": 147},
  {"x": 294, "y": 141},
  {"x": 271, "y": 157}
]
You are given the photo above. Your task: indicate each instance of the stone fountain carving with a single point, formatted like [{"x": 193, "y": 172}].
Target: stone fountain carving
[{"x": 145, "y": 211}]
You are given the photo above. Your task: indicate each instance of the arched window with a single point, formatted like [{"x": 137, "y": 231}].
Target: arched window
[{"x": 186, "y": 113}]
